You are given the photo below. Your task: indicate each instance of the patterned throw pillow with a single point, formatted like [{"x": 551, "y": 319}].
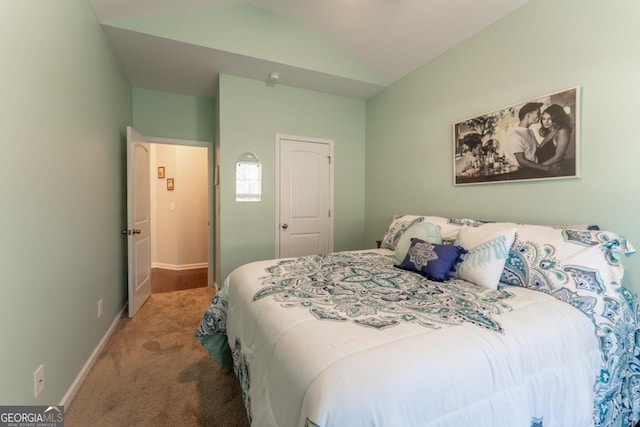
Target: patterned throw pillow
[
  {"x": 432, "y": 260},
  {"x": 398, "y": 226},
  {"x": 424, "y": 231},
  {"x": 545, "y": 258},
  {"x": 488, "y": 248},
  {"x": 448, "y": 228}
]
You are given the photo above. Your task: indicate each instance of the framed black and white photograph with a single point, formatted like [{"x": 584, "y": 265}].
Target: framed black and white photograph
[{"x": 538, "y": 139}]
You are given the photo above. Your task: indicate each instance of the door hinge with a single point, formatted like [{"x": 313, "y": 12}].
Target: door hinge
[
  {"x": 131, "y": 232},
  {"x": 329, "y": 157},
  {"x": 329, "y": 213}
]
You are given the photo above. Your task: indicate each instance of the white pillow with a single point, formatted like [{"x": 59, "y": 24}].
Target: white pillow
[
  {"x": 488, "y": 248},
  {"x": 423, "y": 231}
]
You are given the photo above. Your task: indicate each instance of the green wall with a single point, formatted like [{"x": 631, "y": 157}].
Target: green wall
[
  {"x": 544, "y": 47},
  {"x": 66, "y": 103},
  {"x": 169, "y": 115},
  {"x": 64, "y": 107},
  {"x": 251, "y": 114}
]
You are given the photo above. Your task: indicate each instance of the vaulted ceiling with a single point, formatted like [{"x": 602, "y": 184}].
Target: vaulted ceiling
[{"x": 353, "y": 48}]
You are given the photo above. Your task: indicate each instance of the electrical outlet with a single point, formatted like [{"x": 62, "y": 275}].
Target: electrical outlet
[
  {"x": 38, "y": 380},
  {"x": 99, "y": 308}
]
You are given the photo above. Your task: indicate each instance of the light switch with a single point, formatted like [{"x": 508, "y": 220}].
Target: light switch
[{"x": 173, "y": 206}]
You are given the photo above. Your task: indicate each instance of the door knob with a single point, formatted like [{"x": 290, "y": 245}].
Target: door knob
[
  {"x": 285, "y": 226},
  {"x": 136, "y": 231}
]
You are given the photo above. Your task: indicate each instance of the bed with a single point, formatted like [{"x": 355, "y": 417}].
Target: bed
[{"x": 449, "y": 323}]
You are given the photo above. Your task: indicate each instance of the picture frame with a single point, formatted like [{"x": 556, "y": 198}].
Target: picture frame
[
  {"x": 160, "y": 172},
  {"x": 510, "y": 144},
  {"x": 170, "y": 185}
]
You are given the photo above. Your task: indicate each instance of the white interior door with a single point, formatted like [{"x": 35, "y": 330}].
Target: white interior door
[
  {"x": 305, "y": 222},
  {"x": 138, "y": 220}
]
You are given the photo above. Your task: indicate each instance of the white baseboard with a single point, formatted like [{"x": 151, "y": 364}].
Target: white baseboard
[
  {"x": 180, "y": 267},
  {"x": 75, "y": 386}
]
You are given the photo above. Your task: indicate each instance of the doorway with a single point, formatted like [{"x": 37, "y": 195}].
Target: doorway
[{"x": 181, "y": 203}]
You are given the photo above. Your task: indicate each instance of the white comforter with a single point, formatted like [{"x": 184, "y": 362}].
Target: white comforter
[{"x": 297, "y": 370}]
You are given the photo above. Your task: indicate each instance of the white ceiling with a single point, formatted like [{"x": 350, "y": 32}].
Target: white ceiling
[{"x": 389, "y": 37}]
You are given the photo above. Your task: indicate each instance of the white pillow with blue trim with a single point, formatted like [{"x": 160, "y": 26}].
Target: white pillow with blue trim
[{"x": 487, "y": 248}]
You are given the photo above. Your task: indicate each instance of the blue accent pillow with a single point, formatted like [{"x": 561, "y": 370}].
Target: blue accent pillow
[{"x": 432, "y": 260}]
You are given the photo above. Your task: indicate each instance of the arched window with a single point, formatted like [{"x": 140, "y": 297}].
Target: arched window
[{"x": 248, "y": 178}]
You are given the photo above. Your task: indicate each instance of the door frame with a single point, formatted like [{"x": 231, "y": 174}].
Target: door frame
[
  {"x": 211, "y": 267},
  {"x": 304, "y": 139}
]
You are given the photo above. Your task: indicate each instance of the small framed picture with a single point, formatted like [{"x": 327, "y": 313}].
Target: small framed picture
[
  {"x": 160, "y": 171},
  {"x": 170, "y": 184}
]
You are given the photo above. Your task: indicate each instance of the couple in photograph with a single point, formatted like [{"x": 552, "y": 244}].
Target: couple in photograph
[{"x": 546, "y": 158}]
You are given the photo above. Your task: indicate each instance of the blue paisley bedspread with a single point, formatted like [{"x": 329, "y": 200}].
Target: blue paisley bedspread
[
  {"x": 401, "y": 337},
  {"x": 584, "y": 269}
]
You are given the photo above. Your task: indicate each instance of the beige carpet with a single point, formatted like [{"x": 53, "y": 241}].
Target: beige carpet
[{"x": 154, "y": 372}]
